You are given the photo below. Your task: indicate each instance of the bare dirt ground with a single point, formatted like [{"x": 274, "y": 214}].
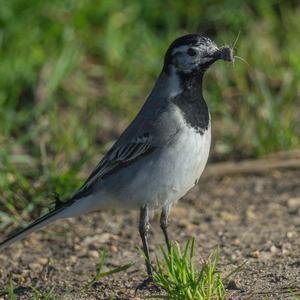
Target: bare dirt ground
[{"x": 253, "y": 217}]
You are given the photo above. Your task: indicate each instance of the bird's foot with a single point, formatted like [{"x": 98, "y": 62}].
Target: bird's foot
[{"x": 148, "y": 284}]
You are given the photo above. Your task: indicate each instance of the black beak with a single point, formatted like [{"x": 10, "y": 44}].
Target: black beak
[{"x": 225, "y": 53}]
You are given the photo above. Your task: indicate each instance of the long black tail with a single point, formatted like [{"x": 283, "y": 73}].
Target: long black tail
[{"x": 34, "y": 226}]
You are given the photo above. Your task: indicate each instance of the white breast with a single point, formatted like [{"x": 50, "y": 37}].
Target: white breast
[
  {"x": 180, "y": 166},
  {"x": 192, "y": 154}
]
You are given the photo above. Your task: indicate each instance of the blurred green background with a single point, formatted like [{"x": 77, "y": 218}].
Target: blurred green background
[{"x": 74, "y": 73}]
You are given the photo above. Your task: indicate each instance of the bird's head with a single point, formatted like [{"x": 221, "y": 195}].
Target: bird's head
[{"x": 193, "y": 54}]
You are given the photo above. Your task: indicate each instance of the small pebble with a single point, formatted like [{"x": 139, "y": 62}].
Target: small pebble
[
  {"x": 294, "y": 203},
  {"x": 73, "y": 259},
  {"x": 236, "y": 242},
  {"x": 80, "y": 249},
  {"x": 42, "y": 260},
  {"x": 77, "y": 247},
  {"x": 297, "y": 221},
  {"x": 229, "y": 217},
  {"x": 113, "y": 248},
  {"x": 35, "y": 266},
  {"x": 93, "y": 254},
  {"x": 255, "y": 254}
]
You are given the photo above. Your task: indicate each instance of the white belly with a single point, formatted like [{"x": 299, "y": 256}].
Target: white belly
[
  {"x": 161, "y": 178},
  {"x": 181, "y": 166}
]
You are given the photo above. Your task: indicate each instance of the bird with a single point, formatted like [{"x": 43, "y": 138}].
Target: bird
[{"x": 162, "y": 153}]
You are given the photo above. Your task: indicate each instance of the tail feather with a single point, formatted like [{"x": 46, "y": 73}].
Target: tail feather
[
  {"x": 34, "y": 226},
  {"x": 71, "y": 208}
]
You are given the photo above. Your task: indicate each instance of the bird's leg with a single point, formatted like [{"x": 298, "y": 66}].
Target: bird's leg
[
  {"x": 164, "y": 225},
  {"x": 144, "y": 227}
]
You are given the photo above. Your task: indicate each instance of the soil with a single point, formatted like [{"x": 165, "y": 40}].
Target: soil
[{"x": 254, "y": 218}]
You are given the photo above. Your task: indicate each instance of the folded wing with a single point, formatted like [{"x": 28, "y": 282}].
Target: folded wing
[{"x": 118, "y": 157}]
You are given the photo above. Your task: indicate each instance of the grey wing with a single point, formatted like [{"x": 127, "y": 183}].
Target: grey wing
[
  {"x": 117, "y": 157},
  {"x": 153, "y": 127}
]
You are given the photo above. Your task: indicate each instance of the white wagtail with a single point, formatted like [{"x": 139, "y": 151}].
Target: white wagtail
[{"x": 162, "y": 153}]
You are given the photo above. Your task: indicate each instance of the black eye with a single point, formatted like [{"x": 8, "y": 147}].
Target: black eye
[{"x": 191, "y": 52}]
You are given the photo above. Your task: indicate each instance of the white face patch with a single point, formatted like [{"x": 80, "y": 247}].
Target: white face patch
[
  {"x": 187, "y": 63},
  {"x": 181, "y": 49},
  {"x": 200, "y": 47}
]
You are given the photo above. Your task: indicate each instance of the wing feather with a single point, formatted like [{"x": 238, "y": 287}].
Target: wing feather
[{"x": 117, "y": 157}]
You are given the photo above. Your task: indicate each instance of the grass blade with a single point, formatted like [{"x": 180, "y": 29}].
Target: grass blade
[{"x": 99, "y": 275}]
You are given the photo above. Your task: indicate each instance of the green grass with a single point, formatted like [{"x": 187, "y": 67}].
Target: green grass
[
  {"x": 175, "y": 272},
  {"x": 181, "y": 279},
  {"x": 294, "y": 295},
  {"x": 72, "y": 71},
  {"x": 100, "y": 274},
  {"x": 10, "y": 291},
  {"x": 36, "y": 293},
  {"x": 45, "y": 295}
]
